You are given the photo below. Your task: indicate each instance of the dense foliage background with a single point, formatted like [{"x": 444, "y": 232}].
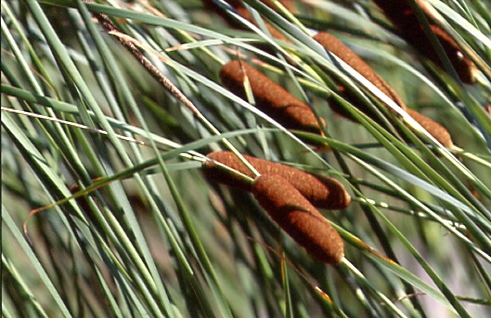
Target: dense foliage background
[{"x": 148, "y": 235}]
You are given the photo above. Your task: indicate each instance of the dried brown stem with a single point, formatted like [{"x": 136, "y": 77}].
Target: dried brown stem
[{"x": 110, "y": 27}]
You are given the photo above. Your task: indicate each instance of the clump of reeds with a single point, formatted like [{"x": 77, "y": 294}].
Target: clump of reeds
[
  {"x": 321, "y": 191},
  {"x": 269, "y": 97},
  {"x": 403, "y": 17},
  {"x": 298, "y": 217}
]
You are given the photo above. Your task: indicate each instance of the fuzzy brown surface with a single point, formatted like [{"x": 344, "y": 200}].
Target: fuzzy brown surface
[
  {"x": 334, "y": 45},
  {"x": 299, "y": 218},
  {"x": 404, "y": 19},
  {"x": 323, "y": 192},
  {"x": 269, "y": 97},
  {"x": 436, "y": 130}
]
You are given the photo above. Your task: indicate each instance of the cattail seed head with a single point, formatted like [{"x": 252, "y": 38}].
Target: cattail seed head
[
  {"x": 323, "y": 192},
  {"x": 337, "y": 47},
  {"x": 349, "y": 57},
  {"x": 401, "y": 14},
  {"x": 436, "y": 130},
  {"x": 298, "y": 217},
  {"x": 270, "y": 98}
]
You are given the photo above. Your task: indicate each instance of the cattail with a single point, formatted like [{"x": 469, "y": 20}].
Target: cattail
[
  {"x": 433, "y": 128},
  {"x": 349, "y": 57},
  {"x": 298, "y": 217},
  {"x": 404, "y": 19},
  {"x": 332, "y": 44},
  {"x": 323, "y": 192},
  {"x": 270, "y": 98}
]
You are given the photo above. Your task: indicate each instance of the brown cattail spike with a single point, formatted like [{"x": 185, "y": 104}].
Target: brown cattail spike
[
  {"x": 349, "y": 57},
  {"x": 433, "y": 128},
  {"x": 323, "y": 192},
  {"x": 332, "y": 44},
  {"x": 270, "y": 98},
  {"x": 401, "y": 14},
  {"x": 296, "y": 216}
]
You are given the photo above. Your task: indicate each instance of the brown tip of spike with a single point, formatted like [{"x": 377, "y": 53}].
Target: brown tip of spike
[
  {"x": 436, "y": 130},
  {"x": 323, "y": 192},
  {"x": 296, "y": 216},
  {"x": 270, "y": 98}
]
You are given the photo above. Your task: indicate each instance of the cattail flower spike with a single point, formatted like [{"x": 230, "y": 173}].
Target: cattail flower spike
[
  {"x": 299, "y": 218},
  {"x": 270, "y": 97},
  {"x": 322, "y": 191}
]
